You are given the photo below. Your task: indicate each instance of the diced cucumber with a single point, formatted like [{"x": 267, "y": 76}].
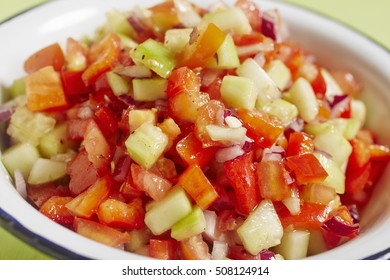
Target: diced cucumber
[
  {"x": 266, "y": 88},
  {"x": 176, "y": 39},
  {"x": 138, "y": 117},
  {"x": 227, "y": 135},
  {"x": 55, "y": 142},
  {"x": 118, "y": 84},
  {"x": 192, "y": 224},
  {"x": 238, "y": 92},
  {"x": 146, "y": 144},
  {"x": 27, "y": 126},
  {"x": 118, "y": 23},
  {"x": 21, "y": 156},
  {"x": 316, "y": 243},
  {"x": 335, "y": 178},
  {"x": 347, "y": 127},
  {"x": 138, "y": 238},
  {"x": 294, "y": 244},
  {"x": 284, "y": 110},
  {"x": 303, "y": 96},
  {"x": 155, "y": 56},
  {"x": 227, "y": 57},
  {"x": 279, "y": 73},
  {"x": 230, "y": 20},
  {"x": 17, "y": 88},
  {"x": 358, "y": 111},
  {"x": 316, "y": 129},
  {"x": 335, "y": 144},
  {"x": 262, "y": 229},
  {"x": 168, "y": 211},
  {"x": 149, "y": 89},
  {"x": 127, "y": 42},
  {"x": 46, "y": 170}
]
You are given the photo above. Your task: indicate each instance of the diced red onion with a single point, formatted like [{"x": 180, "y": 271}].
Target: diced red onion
[
  {"x": 339, "y": 104},
  {"x": 273, "y": 26},
  {"x": 269, "y": 155},
  {"x": 354, "y": 213},
  {"x": 325, "y": 154},
  {"x": 337, "y": 226},
  {"x": 127, "y": 99},
  {"x": 249, "y": 50},
  {"x": 134, "y": 71},
  {"x": 277, "y": 149},
  {"x": 259, "y": 58},
  {"x": 5, "y": 113},
  {"x": 229, "y": 153},
  {"x": 267, "y": 255},
  {"x": 247, "y": 146},
  {"x": 220, "y": 250},
  {"x": 297, "y": 125},
  {"x": 20, "y": 183},
  {"x": 136, "y": 23},
  {"x": 287, "y": 176},
  {"x": 209, "y": 76},
  {"x": 122, "y": 167},
  {"x": 85, "y": 113}
]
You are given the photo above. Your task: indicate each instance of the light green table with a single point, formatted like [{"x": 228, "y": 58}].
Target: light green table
[{"x": 370, "y": 17}]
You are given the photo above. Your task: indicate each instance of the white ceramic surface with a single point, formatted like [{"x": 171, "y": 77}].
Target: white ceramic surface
[{"x": 335, "y": 45}]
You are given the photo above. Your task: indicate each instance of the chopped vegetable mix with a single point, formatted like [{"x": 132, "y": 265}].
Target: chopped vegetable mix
[{"x": 184, "y": 132}]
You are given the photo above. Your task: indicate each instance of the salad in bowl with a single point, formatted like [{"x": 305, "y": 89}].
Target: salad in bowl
[{"x": 184, "y": 131}]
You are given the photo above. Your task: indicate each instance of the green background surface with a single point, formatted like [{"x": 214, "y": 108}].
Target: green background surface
[{"x": 371, "y": 17}]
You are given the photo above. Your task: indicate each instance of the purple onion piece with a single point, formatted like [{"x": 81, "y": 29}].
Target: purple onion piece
[
  {"x": 267, "y": 255},
  {"x": 6, "y": 113},
  {"x": 354, "y": 213},
  {"x": 337, "y": 226}
]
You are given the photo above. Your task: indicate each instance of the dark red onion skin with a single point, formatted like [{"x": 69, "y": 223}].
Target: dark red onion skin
[{"x": 337, "y": 226}]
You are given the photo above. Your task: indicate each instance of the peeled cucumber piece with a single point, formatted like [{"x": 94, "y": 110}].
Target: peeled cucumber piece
[
  {"x": 55, "y": 142},
  {"x": 294, "y": 244},
  {"x": 21, "y": 156},
  {"x": 227, "y": 57},
  {"x": 230, "y": 20},
  {"x": 176, "y": 39},
  {"x": 17, "y": 88},
  {"x": 262, "y": 229},
  {"x": 193, "y": 224},
  {"x": 238, "y": 92},
  {"x": 284, "y": 110},
  {"x": 149, "y": 89},
  {"x": 303, "y": 96},
  {"x": 46, "y": 170},
  {"x": 279, "y": 73},
  {"x": 336, "y": 177},
  {"x": 168, "y": 211},
  {"x": 118, "y": 84}
]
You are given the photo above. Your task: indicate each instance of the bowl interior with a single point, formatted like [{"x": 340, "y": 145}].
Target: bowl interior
[{"x": 335, "y": 46}]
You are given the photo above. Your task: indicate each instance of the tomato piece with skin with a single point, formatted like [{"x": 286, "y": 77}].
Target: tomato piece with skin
[
  {"x": 72, "y": 83},
  {"x": 272, "y": 181},
  {"x": 205, "y": 40},
  {"x": 51, "y": 55},
  {"x": 39, "y": 194},
  {"x": 252, "y": 12},
  {"x": 107, "y": 121},
  {"x": 319, "y": 85},
  {"x": 118, "y": 214},
  {"x": 195, "y": 248},
  {"x": 307, "y": 168},
  {"x": 198, "y": 186},
  {"x": 44, "y": 90},
  {"x": 242, "y": 176},
  {"x": 75, "y": 55},
  {"x": 87, "y": 203},
  {"x": 128, "y": 188},
  {"x": 102, "y": 57},
  {"x": 100, "y": 233},
  {"x": 164, "y": 16},
  {"x": 54, "y": 208},
  {"x": 263, "y": 128},
  {"x": 163, "y": 249},
  {"x": 299, "y": 143}
]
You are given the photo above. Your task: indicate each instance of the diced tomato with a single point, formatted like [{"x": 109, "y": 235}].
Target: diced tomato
[
  {"x": 87, "y": 203},
  {"x": 96, "y": 145},
  {"x": 206, "y": 38},
  {"x": 272, "y": 180},
  {"x": 242, "y": 176},
  {"x": 227, "y": 220},
  {"x": 107, "y": 121},
  {"x": 75, "y": 129},
  {"x": 191, "y": 151},
  {"x": 198, "y": 186},
  {"x": 319, "y": 85},
  {"x": 252, "y": 12},
  {"x": 182, "y": 80},
  {"x": 262, "y": 127},
  {"x": 164, "y": 16},
  {"x": 51, "y": 55},
  {"x": 100, "y": 233},
  {"x": 311, "y": 216},
  {"x": 128, "y": 188},
  {"x": 307, "y": 168},
  {"x": 55, "y": 209},
  {"x": 44, "y": 90},
  {"x": 194, "y": 248},
  {"x": 152, "y": 184},
  {"x": 76, "y": 56},
  {"x": 299, "y": 143},
  {"x": 163, "y": 249},
  {"x": 126, "y": 216},
  {"x": 211, "y": 113},
  {"x": 213, "y": 89},
  {"x": 347, "y": 81},
  {"x": 248, "y": 39},
  {"x": 170, "y": 129},
  {"x": 39, "y": 194},
  {"x": 101, "y": 57},
  {"x": 72, "y": 83}
]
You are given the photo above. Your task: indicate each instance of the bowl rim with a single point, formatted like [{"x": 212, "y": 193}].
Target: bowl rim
[{"x": 15, "y": 227}]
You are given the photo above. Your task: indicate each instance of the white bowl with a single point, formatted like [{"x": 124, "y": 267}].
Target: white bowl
[{"x": 335, "y": 45}]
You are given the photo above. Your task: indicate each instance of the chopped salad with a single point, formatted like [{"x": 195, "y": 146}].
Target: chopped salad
[{"x": 178, "y": 134}]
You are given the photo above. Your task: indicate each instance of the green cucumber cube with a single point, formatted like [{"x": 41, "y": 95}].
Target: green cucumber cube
[
  {"x": 262, "y": 229},
  {"x": 155, "y": 56},
  {"x": 267, "y": 90},
  {"x": 117, "y": 22},
  {"x": 176, "y": 39},
  {"x": 230, "y": 20},
  {"x": 227, "y": 57},
  {"x": 171, "y": 209},
  {"x": 192, "y": 224},
  {"x": 146, "y": 144},
  {"x": 284, "y": 110},
  {"x": 303, "y": 96},
  {"x": 118, "y": 84},
  {"x": 349, "y": 128},
  {"x": 17, "y": 88},
  {"x": 55, "y": 142},
  {"x": 294, "y": 244},
  {"x": 21, "y": 156},
  {"x": 336, "y": 177},
  {"x": 46, "y": 170},
  {"x": 127, "y": 42},
  {"x": 238, "y": 92},
  {"x": 358, "y": 111},
  {"x": 149, "y": 89},
  {"x": 279, "y": 73}
]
